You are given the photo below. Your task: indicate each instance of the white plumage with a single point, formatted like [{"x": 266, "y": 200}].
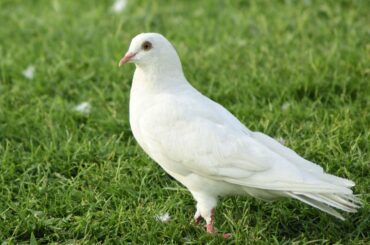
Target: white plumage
[{"x": 208, "y": 150}]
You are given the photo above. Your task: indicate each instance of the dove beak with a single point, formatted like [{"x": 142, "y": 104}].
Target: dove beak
[{"x": 128, "y": 56}]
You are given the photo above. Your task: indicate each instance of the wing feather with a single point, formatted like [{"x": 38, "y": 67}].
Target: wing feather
[{"x": 202, "y": 137}]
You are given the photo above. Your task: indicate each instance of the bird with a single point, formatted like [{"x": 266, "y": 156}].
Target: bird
[{"x": 208, "y": 150}]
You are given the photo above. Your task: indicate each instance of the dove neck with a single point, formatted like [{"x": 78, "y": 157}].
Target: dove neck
[{"x": 161, "y": 76}]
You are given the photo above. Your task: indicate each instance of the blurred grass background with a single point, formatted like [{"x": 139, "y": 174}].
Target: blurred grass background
[{"x": 296, "y": 70}]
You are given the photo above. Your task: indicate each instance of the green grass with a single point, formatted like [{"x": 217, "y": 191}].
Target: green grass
[{"x": 72, "y": 178}]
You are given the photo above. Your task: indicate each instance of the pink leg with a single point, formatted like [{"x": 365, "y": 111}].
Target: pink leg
[{"x": 210, "y": 228}]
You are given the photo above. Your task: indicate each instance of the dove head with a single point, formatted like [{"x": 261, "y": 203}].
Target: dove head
[{"x": 152, "y": 51}]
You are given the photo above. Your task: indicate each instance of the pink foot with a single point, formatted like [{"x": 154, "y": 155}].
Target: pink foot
[
  {"x": 209, "y": 226},
  {"x": 210, "y": 229}
]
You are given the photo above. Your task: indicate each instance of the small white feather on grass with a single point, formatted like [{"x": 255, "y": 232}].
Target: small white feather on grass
[
  {"x": 164, "y": 218},
  {"x": 29, "y": 72},
  {"x": 119, "y": 6},
  {"x": 285, "y": 106},
  {"x": 83, "y": 108}
]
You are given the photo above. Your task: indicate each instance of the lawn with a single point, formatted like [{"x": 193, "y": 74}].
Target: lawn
[{"x": 296, "y": 70}]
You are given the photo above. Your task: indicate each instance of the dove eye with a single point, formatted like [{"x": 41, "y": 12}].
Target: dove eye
[{"x": 147, "y": 45}]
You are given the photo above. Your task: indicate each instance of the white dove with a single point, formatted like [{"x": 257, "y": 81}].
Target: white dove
[{"x": 203, "y": 146}]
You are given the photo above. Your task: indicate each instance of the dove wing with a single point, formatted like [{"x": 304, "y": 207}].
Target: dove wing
[{"x": 198, "y": 135}]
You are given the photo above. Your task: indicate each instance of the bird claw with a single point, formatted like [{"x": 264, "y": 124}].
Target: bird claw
[
  {"x": 212, "y": 231},
  {"x": 209, "y": 227}
]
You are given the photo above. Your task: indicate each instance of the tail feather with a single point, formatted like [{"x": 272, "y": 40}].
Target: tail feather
[
  {"x": 351, "y": 201},
  {"x": 319, "y": 189},
  {"x": 337, "y": 180},
  {"x": 325, "y": 202},
  {"x": 355, "y": 199},
  {"x": 332, "y": 201},
  {"x": 317, "y": 204}
]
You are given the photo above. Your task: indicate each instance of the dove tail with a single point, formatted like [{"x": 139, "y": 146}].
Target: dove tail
[{"x": 325, "y": 202}]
